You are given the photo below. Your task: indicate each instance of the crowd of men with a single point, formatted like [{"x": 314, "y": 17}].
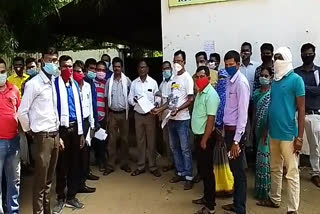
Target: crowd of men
[{"x": 61, "y": 105}]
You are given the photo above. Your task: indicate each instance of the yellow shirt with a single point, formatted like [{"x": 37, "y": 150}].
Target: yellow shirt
[{"x": 17, "y": 81}]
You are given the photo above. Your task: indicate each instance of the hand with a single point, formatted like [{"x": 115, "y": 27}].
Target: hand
[
  {"x": 82, "y": 141},
  {"x": 155, "y": 111},
  {"x": 297, "y": 145},
  {"x": 61, "y": 145},
  {"x": 29, "y": 133},
  {"x": 174, "y": 112},
  {"x": 203, "y": 144},
  {"x": 92, "y": 131},
  {"x": 235, "y": 150}
]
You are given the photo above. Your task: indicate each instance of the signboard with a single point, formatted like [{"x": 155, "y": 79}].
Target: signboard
[{"x": 175, "y": 3}]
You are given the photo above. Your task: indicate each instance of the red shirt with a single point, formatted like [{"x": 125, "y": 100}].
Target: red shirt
[{"x": 9, "y": 103}]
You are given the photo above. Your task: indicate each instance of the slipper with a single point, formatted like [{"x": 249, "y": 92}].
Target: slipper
[
  {"x": 267, "y": 203},
  {"x": 156, "y": 173},
  {"x": 138, "y": 172}
]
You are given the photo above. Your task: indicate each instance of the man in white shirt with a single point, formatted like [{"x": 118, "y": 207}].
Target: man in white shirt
[
  {"x": 39, "y": 117},
  {"x": 145, "y": 123}
]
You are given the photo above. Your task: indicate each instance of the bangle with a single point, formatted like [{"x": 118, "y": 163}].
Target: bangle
[{"x": 299, "y": 139}]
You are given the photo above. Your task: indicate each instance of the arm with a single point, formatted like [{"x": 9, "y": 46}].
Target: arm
[
  {"x": 301, "y": 117},
  {"x": 313, "y": 90},
  {"x": 184, "y": 105},
  {"x": 131, "y": 95},
  {"x": 91, "y": 117},
  {"x": 207, "y": 131}
]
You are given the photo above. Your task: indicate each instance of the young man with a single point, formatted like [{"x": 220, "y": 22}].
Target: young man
[
  {"x": 214, "y": 61},
  {"x": 9, "y": 141},
  {"x": 107, "y": 60},
  {"x": 235, "y": 120},
  {"x": 202, "y": 60},
  {"x": 38, "y": 116},
  {"x": 202, "y": 123},
  {"x": 287, "y": 96},
  {"x": 71, "y": 132},
  {"x": 18, "y": 77},
  {"x": 310, "y": 74},
  {"x": 145, "y": 122},
  {"x": 118, "y": 87}
]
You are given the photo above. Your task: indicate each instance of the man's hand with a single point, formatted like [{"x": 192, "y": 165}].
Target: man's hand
[
  {"x": 297, "y": 145},
  {"x": 235, "y": 150},
  {"x": 174, "y": 112},
  {"x": 155, "y": 111},
  {"x": 82, "y": 141},
  {"x": 92, "y": 131},
  {"x": 61, "y": 145},
  {"x": 203, "y": 144}
]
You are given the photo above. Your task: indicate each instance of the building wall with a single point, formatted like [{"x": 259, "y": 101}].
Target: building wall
[
  {"x": 85, "y": 54},
  {"x": 280, "y": 22}
]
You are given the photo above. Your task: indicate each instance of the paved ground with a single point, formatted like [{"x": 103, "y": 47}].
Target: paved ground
[{"x": 119, "y": 193}]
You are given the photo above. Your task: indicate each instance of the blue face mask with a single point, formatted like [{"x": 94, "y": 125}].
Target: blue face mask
[
  {"x": 32, "y": 72},
  {"x": 107, "y": 63},
  {"x": 264, "y": 81},
  {"x": 50, "y": 68},
  {"x": 91, "y": 75},
  {"x": 167, "y": 74},
  {"x": 231, "y": 70}
]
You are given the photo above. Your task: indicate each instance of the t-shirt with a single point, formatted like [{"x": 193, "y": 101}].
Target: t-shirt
[
  {"x": 182, "y": 86},
  {"x": 283, "y": 106}
]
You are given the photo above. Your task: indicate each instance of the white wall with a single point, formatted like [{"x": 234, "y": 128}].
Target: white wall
[
  {"x": 85, "y": 54},
  {"x": 280, "y": 22}
]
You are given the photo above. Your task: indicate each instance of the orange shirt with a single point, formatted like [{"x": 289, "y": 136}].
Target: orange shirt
[{"x": 9, "y": 103}]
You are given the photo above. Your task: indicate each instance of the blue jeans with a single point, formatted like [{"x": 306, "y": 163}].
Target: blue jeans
[
  {"x": 181, "y": 147},
  {"x": 10, "y": 162}
]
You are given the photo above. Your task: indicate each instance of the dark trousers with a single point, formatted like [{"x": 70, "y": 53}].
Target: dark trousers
[
  {"x": 205, "y": 167},
  {"x": 68, "y": 170},
  {"x": 99, "y": 147},
  {"x": 84, "y": 155},
  {"x": 239, "y": 174}
]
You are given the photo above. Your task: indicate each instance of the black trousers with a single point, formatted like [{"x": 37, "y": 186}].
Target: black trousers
[
  {"x": 99, "y": 147},
  {"x": 68, "y": 170},
  {"x": 85, "y": 155},
  {"x": 205, "y": 167},
  {"x": 239, "y": 174}
]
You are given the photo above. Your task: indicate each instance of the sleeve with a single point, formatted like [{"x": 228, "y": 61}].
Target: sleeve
[
  {"x": 131, "y": 94},
  {"x": 106, "y": 88},
  {"x": 189, "y": 84},
  {"x": 157, "y": 98},
  {"x": 212, "y": 104},
  {"x": 91, "y": 116},
  {"x": 299, "y": 87}
]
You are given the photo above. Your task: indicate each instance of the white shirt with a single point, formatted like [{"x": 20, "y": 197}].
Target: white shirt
[
  {"x": 38, "y": 111},
  {"x": 147, "y": 88},
  {"x": 249, "y": 73},
  {"x": 86, "y": 98},
  {"x": 165, "y": 89},
  {"x": 181, "y": 88}
]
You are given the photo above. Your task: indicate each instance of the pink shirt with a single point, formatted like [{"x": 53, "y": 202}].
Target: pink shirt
[{"x": 237, "y": 103}]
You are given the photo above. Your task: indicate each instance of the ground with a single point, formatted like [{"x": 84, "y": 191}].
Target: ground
[{"x": 119, "y": 193}]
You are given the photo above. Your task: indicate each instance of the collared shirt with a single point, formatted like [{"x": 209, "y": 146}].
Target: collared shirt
[
  {"x": 17, "y": 81},
  {"x": 9, "y": 103},
  {"x": 213, "y": 77},
  {"x": 147, "y": 88},
  {"x": 249, "y": 72},
  {"x": 206, "y": 104},
  {"x": 86, "y": 100},
  {"x": 101, "y": 98},
  {"x": 256, "y": 84},
  {"x": 71, "y": 105},
  {"x": 38, "y": 110},
  {"x": 109, "y": 74},
  {"x": 94, "y": 98},
  {"x": 283, "y": 106},
  {"x": 118, "y": 100},
  {"x": 237, "y": 103},
  {"x": 311, "y": 87},
  {"x": 165, "y": 89}
]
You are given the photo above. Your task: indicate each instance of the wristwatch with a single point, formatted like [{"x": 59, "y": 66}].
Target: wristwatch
[{"x": 236, "y": 143}]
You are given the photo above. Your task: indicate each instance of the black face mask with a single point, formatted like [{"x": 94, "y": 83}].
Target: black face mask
[
  {"x": 307, "y": 60},
  {"x": 266, "y": 59}
]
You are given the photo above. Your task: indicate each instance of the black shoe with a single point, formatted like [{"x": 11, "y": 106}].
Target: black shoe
[
  {"x": 176, "y": 179},
  {"x": 200, "y": 201},
  {"x": 229, "y": 207},
  {"x": 74, "y": 203},
  {"x": 205, "y": 210},
  {"x": 188, "y": 185},
  {"x": 196, "y": 179},
  {"x": 292, "y": 212},
  {"x": 92, "y": 177},
  {"x": 102, "y": 168},
  {"x": 58, "y": 207},
  {"x": 86, "y": 189},
  {"x": 126, "y": 168}
]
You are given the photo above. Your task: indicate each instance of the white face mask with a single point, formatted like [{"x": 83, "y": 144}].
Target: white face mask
[
  {"x": 212, "y": 65},
  {"x": 176, "y": 68},
  {"x": 3, "y": 79},
  {"x": 281, "y": 68}
]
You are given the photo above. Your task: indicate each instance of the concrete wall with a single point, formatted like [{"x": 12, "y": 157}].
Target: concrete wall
[
  {"x": 229, "y": 24},
  {"x": 85, "y": 54}
]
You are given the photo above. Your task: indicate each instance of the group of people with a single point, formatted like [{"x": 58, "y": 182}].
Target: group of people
[{"x": 61, "y": 106}]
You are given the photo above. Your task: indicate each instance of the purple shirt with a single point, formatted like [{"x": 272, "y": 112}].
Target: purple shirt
[{"x": 237, "y": 103}]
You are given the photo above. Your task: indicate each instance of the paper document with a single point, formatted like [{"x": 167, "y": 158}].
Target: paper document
[
  {"x": 101, "y": 134},
  {"x": 165, "y": 120},
  {"x": 88, "y": 138},
  {"x": 316, "y": 76},
  {"x": 145, "y": 104}
]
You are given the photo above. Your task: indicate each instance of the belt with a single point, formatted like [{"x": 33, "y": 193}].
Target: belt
[
  {"x": 143, "y": 114},
  {"x": 117, "y": 112},
  {"x": 230, "y": 128},
  {"x": 46, "y": 134},
  {"x": 313, "y": 111},
  {"x": 73, "y": 124}
]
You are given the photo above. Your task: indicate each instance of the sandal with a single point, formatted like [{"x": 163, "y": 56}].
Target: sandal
[
  {"x": 156, "y": 173},
  {"x": 200, "y": 201},
  {"x": 268, "y": 203},
  {"x": 126, "y": 168},
  {"x": 138, "y": 172},
  {"x": 107, "y": 172},
  {"x": 205, "y": 210}
]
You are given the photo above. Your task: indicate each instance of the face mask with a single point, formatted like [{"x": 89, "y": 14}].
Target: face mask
[
  {"x": 32, "y": 72},
  {"x": 201, "y": 64},
  {"x": 107, "y": 63},
  {"x": 307, "y": 60},
  {"x": 266, "y": 59},
  {"x": 78, "y": 77},
  {"x": 231, "y": 70},
  {"x": 66, "y": 74},
  {"x": 3, "y": 79},
  {"x": 51, "y": 68},
  {"x": 264, "y": 81},
  {"x": 212, "y": 65},
  {"x": 91, "y": 75},
  {"x": 202, "y": 83},
  {"x": 176, "y": 68},
  {"x": 101, "y": 75},
  {"x": 166, "y": 74},
  {"x": 281, "y": 68}
]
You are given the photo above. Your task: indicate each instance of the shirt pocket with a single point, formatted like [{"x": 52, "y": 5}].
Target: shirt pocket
[{"x": 233, "y": 102}]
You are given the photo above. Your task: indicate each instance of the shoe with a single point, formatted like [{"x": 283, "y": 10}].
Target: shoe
[
  {"x": 167, "y": 168},
  {"x": 92, "y": 177},
  {"x": 102, "y": 167},
  {"x": 292, "y": 212},
  {"x": 58, "y": 207},
  {"x": 316, "y": 180},
  {"x": 176, "y": 179},
  {"x": 188, "y": 185},
  {"x": 200, "y": 201},
  {"x": 196, "y": 179},
  {"x": 229, "y": 207},
  {"x": 86, "y": 189},
  {"x": 126, "y": 168},
  {"x": 205, "y": 210},
  {"x": 74, "y": 203}
]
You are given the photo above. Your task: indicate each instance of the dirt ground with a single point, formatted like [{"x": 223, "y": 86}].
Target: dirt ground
[{"x": 119, "y": 193}]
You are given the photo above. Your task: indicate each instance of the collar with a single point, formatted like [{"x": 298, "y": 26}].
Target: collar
[
  {"x": 314, "y": 68},
  {"x": 206, "y": 89},
  {"x": 24, "y": 75},
  {"x": 147, "y": 79},
  {"x": 290, "y": 72},
  {"x": 44, "y": 77},
  {"x": 171, "y": 78},
  {"x": 8, "y": 88},
  {"x": 235, "y": 76},
  {"x": 250, "y": 63}
]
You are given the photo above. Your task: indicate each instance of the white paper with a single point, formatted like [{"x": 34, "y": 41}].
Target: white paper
[
  {"x": 88, "y": 138},
  {"x": 145, "y": 104},
  {"x": 165, "y": 120},
  {"x": 101, "y": 134},
  {"x": 209, "y": 47},
  {"x": 316, "y": 76}
]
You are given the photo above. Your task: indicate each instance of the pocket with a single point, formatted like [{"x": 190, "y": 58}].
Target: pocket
[{"x": 316, "y": 124}]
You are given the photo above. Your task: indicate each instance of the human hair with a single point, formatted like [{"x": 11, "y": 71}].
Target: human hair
[
  {"x": 268, "y": 68},
  {"x": 216, "y": 55},
  {"x": 107, "y": 55},
  {"x": 308, "y": 46},
  {"x": 64, "y": 58},
  {"x": 143, "y": 60},
  {"x": 182, "y": 53},
  {"x": 3, "y": 62},
  {"x": 102, "y": 63},
  {"x": 90, "y": 61},
  {"x": 117, "y": 60},
  {"x": 247, "y": 44},
  {"x": 18, "y": 58},
  {"x": 202, "y": 53},
  {"x": 166, "y": 62},
  {"x": 205, "y": 69},
  {"x": 30, "y": 60},
  {"x": 267, "y": 46},
  {"x": 50, "y": 51},
  {"x": 79, "y": 63},
  {"x": 232, "y": 55}
]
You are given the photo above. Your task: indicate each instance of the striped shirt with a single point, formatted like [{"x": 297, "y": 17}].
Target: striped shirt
[{"x": 101, "y": 98}]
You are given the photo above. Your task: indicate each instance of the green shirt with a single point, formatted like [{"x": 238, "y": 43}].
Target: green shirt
[{"x": 206, "y": 103}]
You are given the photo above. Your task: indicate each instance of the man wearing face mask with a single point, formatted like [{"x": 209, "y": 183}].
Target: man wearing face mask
[
  {"x": 71, "y": 132},
  {"x": 38, "y": 116},
  {"x": 235, "y": 119},
  {"x": 31, "y": 67},
  {"x": 310, "y": 74},
  {"x": 287, "y": 96},
  {"x": 19, "y": 76},
  {"x": 214, "y": 61},
  {"x": 107, "y": 60},
  {"x": 9, "y": 141},
  {"x": 202, "y": 60}
]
